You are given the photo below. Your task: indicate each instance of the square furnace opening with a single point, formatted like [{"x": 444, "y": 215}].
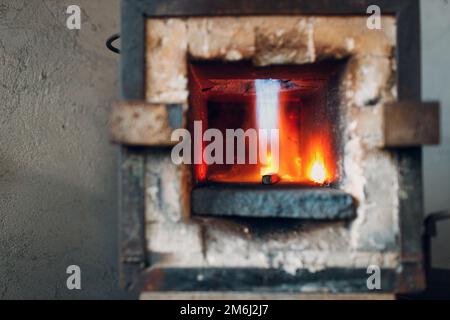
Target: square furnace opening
[{"x": 237, "y": 100}]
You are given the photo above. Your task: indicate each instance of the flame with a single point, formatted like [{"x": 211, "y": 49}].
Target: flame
[
  {"x": 318, "y": 172},
  {"x": 270, "y": 167},
  {"x": 306, "y": 142}
]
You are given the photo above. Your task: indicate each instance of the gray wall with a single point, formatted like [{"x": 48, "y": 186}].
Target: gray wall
[
  {"x": 58, "y": 188},
  {"x": 58, "y": 184},
  {"x": 436, "y": 86}
]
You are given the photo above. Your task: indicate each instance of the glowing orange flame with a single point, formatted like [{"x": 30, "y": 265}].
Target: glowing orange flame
[
  {"x": 318, "y": 172},
  {"x": 270, "y": 167},
  {"x": 306, "y": 153}
]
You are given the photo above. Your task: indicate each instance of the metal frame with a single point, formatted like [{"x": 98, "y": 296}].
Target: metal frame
[{"x": 134, "y": 264}]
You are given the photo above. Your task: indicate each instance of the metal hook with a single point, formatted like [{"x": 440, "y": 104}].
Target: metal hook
[{"x": 109, "y": 43}]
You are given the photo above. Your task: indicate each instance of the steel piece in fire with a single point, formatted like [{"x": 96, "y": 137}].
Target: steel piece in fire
[{"x": 269, "y": 179}]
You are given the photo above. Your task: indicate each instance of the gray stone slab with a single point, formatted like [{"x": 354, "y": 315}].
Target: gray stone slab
[{"x": 273, "y": 202}]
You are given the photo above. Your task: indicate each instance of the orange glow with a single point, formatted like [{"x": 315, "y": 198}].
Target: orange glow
[
  {"x": 307, "y": 144},
  {"x": 201, "y": 171},
  {"x": 307, "y": 151},
  {"x": 270, "y": 168},
  {"x": 318, "y": 172}
]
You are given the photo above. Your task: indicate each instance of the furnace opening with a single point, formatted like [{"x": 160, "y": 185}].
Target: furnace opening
[{"x": 300, "y": 102}]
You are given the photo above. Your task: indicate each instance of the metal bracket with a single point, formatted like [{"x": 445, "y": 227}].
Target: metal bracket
[
  {"x": 137, "y": 123},
  {"x": 410, "y": 124}
]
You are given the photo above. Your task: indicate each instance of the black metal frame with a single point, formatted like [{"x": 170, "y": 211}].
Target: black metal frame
[{"x": 134, "y": 265}]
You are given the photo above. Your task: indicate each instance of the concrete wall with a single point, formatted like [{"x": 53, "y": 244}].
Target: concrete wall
[
  {"x": 58, "y": 182},
  {"x": 58, "y": 187}
]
